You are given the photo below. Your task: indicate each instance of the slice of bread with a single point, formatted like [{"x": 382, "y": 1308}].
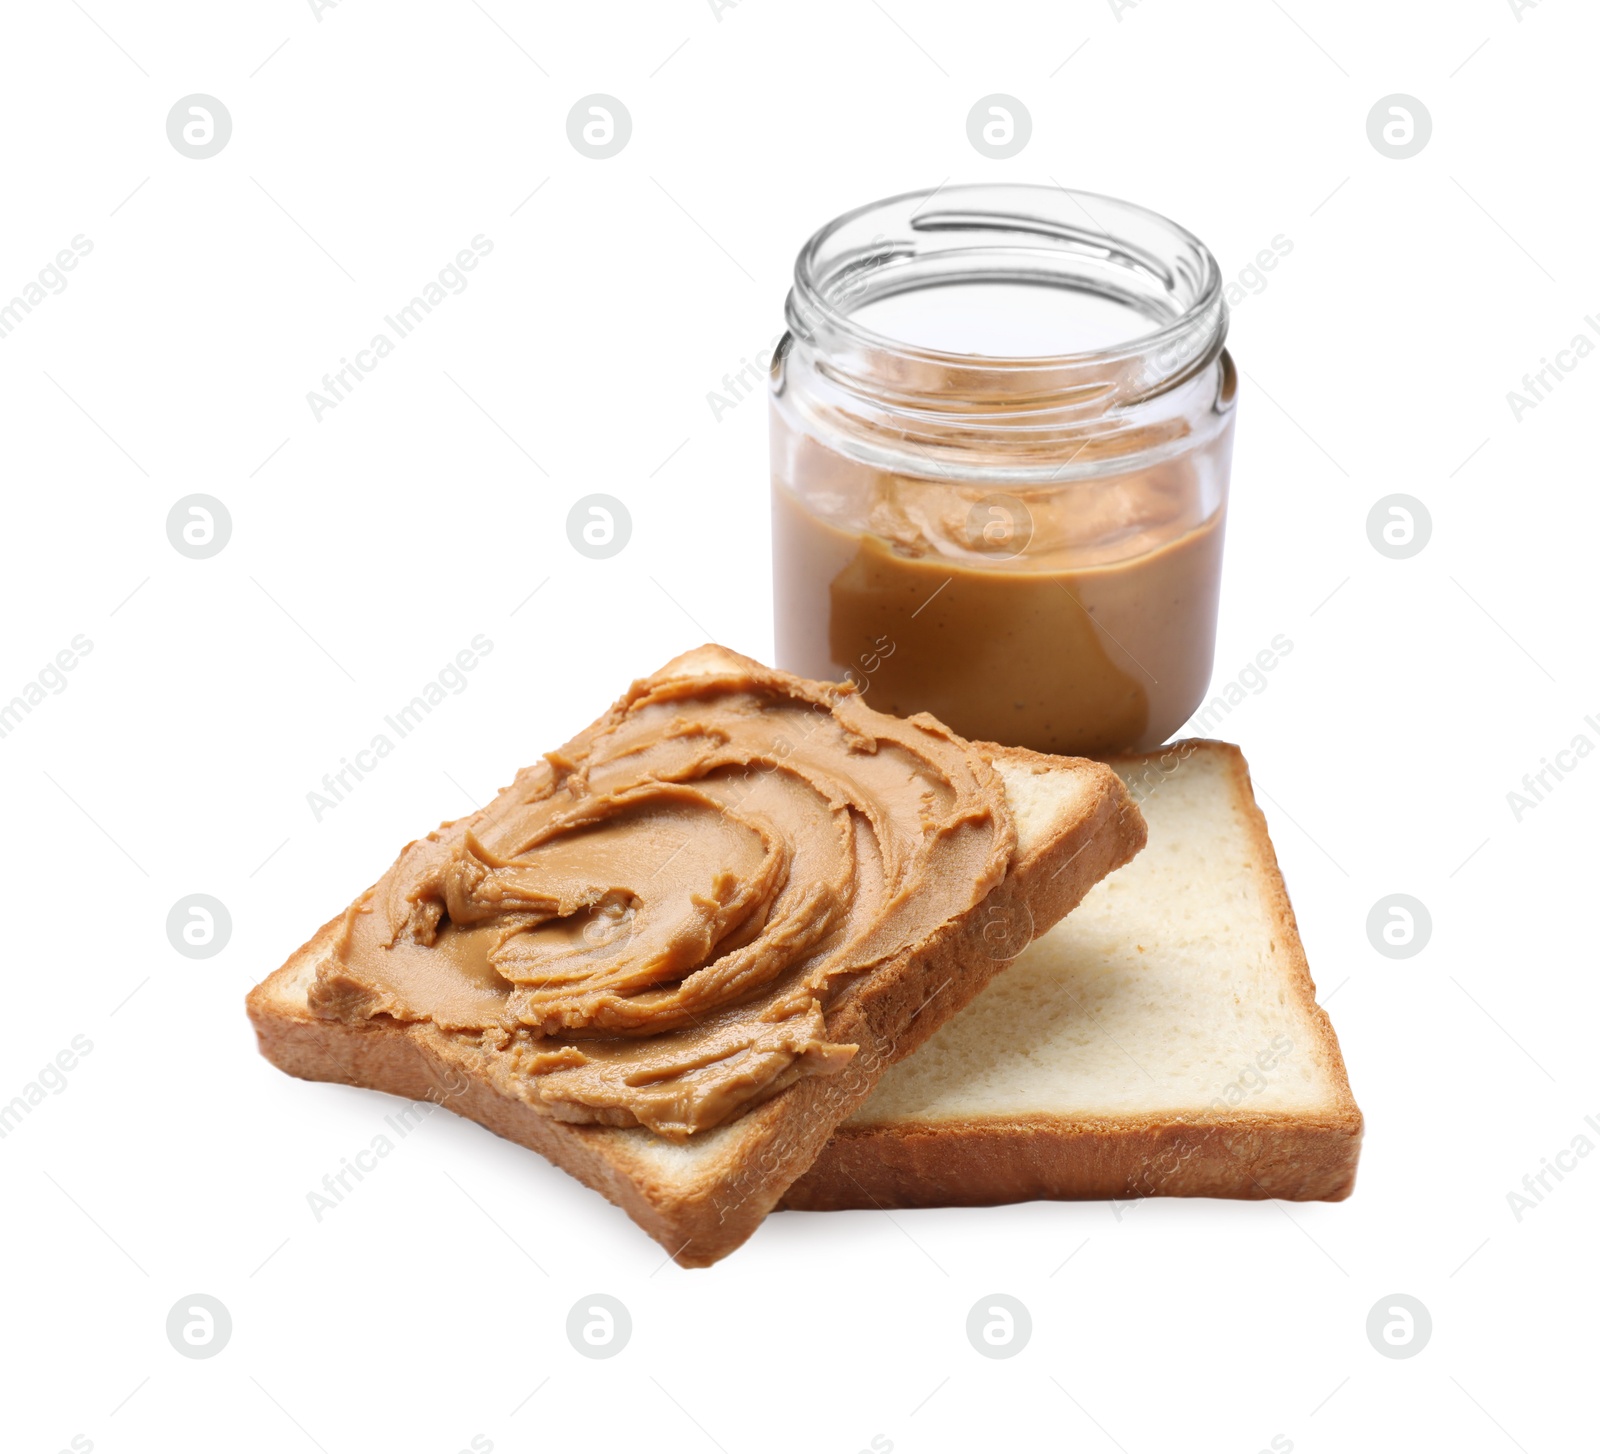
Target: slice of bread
[
  {"x": 1074, "y": 822},
  {"x": 1164, "y": 1040}
]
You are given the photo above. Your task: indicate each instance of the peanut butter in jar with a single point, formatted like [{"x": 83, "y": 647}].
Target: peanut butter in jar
[{"x": 1001, "y": 427}]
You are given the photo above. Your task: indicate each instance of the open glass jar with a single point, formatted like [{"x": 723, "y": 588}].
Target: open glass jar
[{"x": 1002, "y": 420}]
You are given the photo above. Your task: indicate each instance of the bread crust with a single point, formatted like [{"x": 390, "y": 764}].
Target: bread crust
[
  {"x": 992, "y": 1163},
  {"x": 701, "y": 1212},
  {"x": 1237, "y": 1153}
]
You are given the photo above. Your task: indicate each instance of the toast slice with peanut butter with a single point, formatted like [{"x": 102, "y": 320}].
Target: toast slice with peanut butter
[
  {"x": 1163, "y": 1040},
  {"x": 675, "y": 954}
]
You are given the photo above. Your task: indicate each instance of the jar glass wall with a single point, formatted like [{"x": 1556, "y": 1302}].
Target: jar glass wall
[{"x": 1001, "y": 429}]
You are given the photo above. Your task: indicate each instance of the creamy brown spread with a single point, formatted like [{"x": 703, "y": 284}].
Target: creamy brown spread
[
  {"x": 1069, "y": 618},
  {"x": 647, "y": 927},
  {"x": 1054, "y": 650}
]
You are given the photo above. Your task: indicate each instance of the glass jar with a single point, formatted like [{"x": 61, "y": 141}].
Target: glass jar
[{"x": 1002, "y": 419}]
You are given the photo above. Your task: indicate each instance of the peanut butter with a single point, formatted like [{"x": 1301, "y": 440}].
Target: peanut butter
[
  {"x": 1002, "y": 421},
  {"x": 1068, "y": 620},
  {"x": 647, "y": 927}
]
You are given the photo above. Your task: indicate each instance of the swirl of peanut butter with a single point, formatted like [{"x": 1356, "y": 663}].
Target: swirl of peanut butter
[{"x": 647, "y": 927}]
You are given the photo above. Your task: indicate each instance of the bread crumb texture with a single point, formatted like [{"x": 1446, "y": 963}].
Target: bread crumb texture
[{"x": 1165, "y": 990}]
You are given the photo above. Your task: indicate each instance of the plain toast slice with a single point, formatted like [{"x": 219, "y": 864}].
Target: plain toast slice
[{"x": 1164, "y": 1040}]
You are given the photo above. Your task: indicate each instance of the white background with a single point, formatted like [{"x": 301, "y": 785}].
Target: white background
[{"x": 369, "y": 146}]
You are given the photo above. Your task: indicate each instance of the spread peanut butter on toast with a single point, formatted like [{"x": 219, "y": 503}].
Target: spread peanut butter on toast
[{"x": 676, "y": 953}]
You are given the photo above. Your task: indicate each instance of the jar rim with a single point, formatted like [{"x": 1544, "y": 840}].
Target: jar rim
[{"x": 1137, "y": 256}]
